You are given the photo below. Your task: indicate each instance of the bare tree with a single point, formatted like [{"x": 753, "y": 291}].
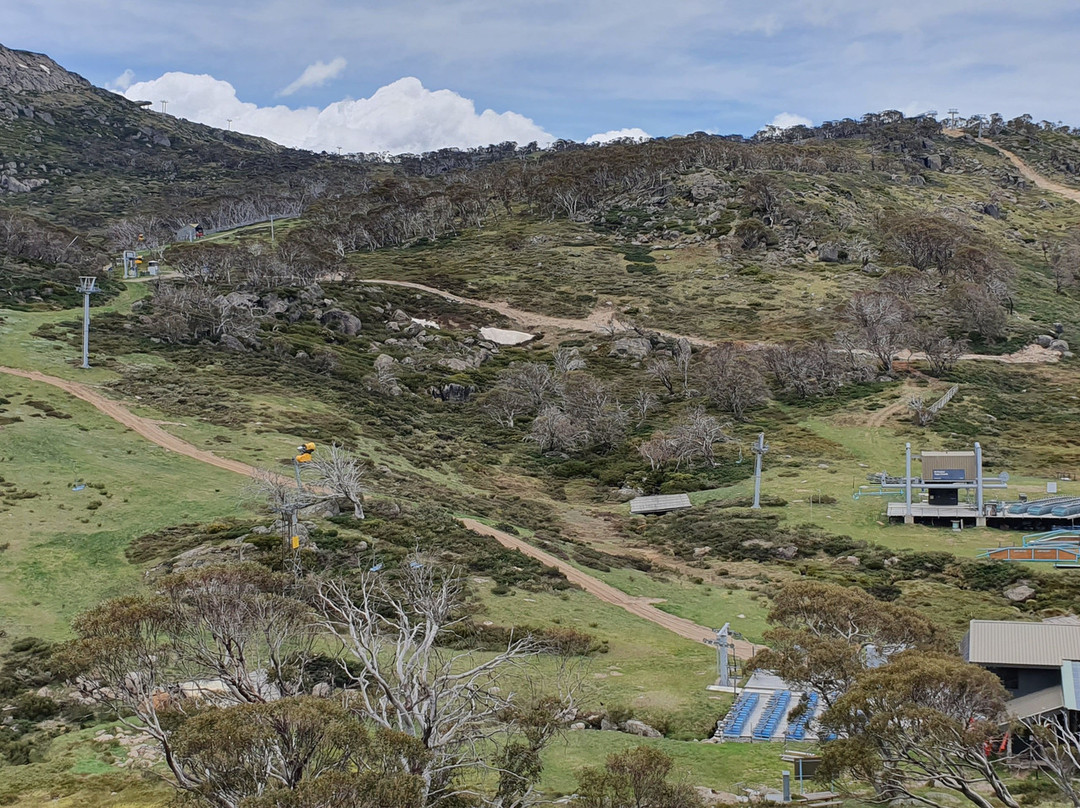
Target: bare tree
[
  {"x": 455, "y": 703},
  {"x": 225, "y": 635},
  {"x": 644, "y": 400},
  {"x": 504, "y": 405},
  {"x": 591, "y": 403},
  {"x": 341, "y": 473},
  {"x": 942, "y": 351},
  {"x": 979, "y": 310},
  {"x": 698, "y": 434},
  {"x": 1055, "y": 746},
  {"x": 1064, "y": 260},
  {"x": 879, "y": 324},
  {"x": 659, "y": 450},
  {"x": 663, "y": 371},
  {"x": 683, "y": 353},
  {"x": 555, "y": 429},
  {"x": 535, "y": 379},
  {"x": 567, "y": 360},
  {"x": 732, "y": 380}
]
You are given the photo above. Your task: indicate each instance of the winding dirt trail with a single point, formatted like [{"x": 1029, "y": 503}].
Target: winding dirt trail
[
  {"x": 1037, "y": 179},
  {"x": 640, "y": 607},
  {"x": 152, "y": 431},
  {"x": 146, "y": 427},
  {"x": 878, "y": 419},
  {"x": 602, "y": 319}
]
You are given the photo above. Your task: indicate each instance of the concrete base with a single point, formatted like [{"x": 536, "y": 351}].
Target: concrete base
[
  {"x": 980, "y": 521},
  {"x": 909, "y": 520}
]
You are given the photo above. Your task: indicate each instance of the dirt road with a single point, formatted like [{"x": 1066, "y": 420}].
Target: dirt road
[
  {"x": 878, "y": 419},
  {"x": 1037, "y": 179},
  {"x": 150, "y": 430},
  {"x": 146, "y": 427},
  {"x": 640, "y": 607},
  {"x": 602, "y": 319}
]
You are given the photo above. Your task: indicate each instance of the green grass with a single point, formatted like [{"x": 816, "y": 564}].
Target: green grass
[
  {"x": 723, "y": 767},
  {"x": 707, "y": 604},
  {"x": 61, "y": 555},
  {"x": 647, "y": 669},
  {"x": 77, "y": 772}
]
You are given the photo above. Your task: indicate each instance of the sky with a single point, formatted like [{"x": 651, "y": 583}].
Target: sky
[{"x": 415, "y": 75}]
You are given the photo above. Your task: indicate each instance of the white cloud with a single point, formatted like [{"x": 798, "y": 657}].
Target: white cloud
[
  {"x": 316, "y": 75},
  {"x": 121, "y": 82},
  {"x": 402, "y": 117},
  {"x": 786, "y": 120},
  {"x": 619, "y": 134}
]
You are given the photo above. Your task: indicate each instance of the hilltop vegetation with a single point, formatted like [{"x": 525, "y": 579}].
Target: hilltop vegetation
[{"x": 685, "y": 294}]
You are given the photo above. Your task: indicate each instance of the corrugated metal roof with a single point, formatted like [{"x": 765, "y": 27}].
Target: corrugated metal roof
[
  {"x": 1026, "y": 645},
  {"x": 1038, "y": 703},
  {"x": 660, "y": 504}
]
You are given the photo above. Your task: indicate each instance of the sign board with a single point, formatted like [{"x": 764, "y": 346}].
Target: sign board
[
  {"x": 948, "y": 475},
  {"x": 1051, "y": 488}
]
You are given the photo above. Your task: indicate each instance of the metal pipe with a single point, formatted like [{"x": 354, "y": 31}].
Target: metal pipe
[
  {"x": 86, "y": 330},
  {"x": 759, "y": 449},
  {"x": 978, "y": 479},
  {"x": 907, "y": 480}
]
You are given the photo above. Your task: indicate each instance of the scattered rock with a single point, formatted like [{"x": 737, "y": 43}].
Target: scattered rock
[
  {"x": 384, "y": 361},
  {"x": 992, "y": 210},
  {"x": 1018, "y": 594},
  {"x": 626, "y": 494},
  {"x": 1059, "y": 345},
  {"x": 231, "y": 343},
  {"x": 635, "y": 727},
  {"x": 850, "y": 560},
  {"x": 701, "y": 552},
  {"x": 322, "y": 690},
  {"x": 829, "y": 253},
  {"x": 578, "y": 725},
  {"x": 348, "y": 324},
  {"x": 452, "y": 392},
  {"x": 1044, "y": 340},
  {"x": 633, "y": 347},
  {"x": 608, "y": 726}
]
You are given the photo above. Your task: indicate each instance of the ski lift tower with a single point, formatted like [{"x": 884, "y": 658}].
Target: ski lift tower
[
  {"x": 87, "y": 286},
  {"x": 725, "y": 655},
  {"x": 759, "y": 448}
]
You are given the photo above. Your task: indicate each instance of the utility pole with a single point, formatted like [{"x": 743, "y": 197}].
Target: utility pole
[
  {"x": 759, "y": 448},
  {"x": 229, "y": 122},
  {"x": 953, "y": 115},
  {"x": 164, "y": 106},
  {"x": 87, "y": 286},
  {"x": 723, "y": 646}
]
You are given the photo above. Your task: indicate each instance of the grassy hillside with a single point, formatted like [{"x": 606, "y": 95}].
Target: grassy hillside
[{"x": 254, "y": 340}]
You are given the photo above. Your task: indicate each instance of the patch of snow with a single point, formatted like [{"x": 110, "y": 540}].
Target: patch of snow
[
  {"x": 503, "y": 336},
  {"x": 46, "y": 69},
  {"x": 425, "y": 323}
]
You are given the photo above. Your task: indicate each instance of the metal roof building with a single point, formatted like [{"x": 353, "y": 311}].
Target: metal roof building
[
  {"x": 1036, "y": 662},
  {"x": 1012, "y": 643},
  {"x": 660, "y": 504}
]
